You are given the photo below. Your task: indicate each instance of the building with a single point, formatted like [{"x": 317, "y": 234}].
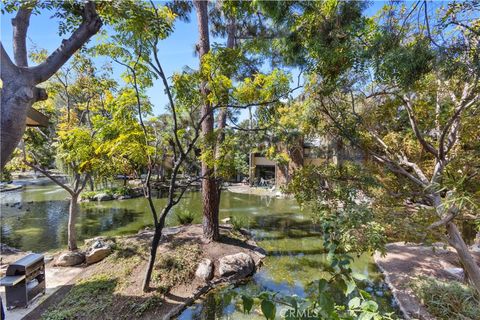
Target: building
[
  {"x": 36, "y": 118},
  {"x": 264, "y": 171}
]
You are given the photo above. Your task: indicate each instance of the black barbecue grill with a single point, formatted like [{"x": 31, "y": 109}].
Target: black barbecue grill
[{"x": 24, "y": 280}]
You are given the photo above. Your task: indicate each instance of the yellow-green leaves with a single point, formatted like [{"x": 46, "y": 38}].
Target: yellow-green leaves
[{"x": 263, "y": 87}]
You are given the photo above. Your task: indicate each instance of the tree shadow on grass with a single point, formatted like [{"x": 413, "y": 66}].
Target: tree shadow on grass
[{"x": 97, "y": 298}]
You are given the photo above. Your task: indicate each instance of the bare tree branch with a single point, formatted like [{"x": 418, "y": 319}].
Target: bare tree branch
[
  {"x": 20, "y": 27},
  {"x": 50, "y": 176},
  {"x": 450, "y": 130},
  {"x": 413, "y": 123},
  {"x": 90, "y": 25},
  {"x": 7, "y": 68}
]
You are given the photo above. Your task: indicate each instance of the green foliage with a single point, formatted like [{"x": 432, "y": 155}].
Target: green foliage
[
  {"x": 239, "y": 222},
  {"x": 317, "y": 35},
  {"x": 338, "y": 199},
  {"x": 322, "y": 305},
  {"x": 87, "y": 297},
  {"x": 88, "y": 195},
  {"x": 447, "y": 299},
  {"x": 121, "y": 191},
  {"x": 184, "y": 216},
  {"x": 5, "y": 176}
]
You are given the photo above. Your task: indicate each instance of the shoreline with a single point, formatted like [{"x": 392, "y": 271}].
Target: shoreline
[
  {"x": 405, "y": 263},
  {"x": 258, "y": 191},
  {"x": 126, "y": 265}
]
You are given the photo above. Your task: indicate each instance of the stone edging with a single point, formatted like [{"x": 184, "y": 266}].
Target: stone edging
[
  {"x": 201, "y": 291},
  {"x": 396, "y": 292},
  {"x": 210, "y": 285}
]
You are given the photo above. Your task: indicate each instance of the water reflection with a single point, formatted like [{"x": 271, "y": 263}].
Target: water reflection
[{"x": 35, "y": 218}]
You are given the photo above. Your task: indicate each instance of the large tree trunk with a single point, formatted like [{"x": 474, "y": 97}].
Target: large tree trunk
[
  {"x": 19, "y": 81},
  {"x": 222, "y": 116},
  {"x": 471, "y": 268},
  {"x": 72, "y": 220},
  {"x": 16, "y": 99},
  {"x": 209, "y": 185}
]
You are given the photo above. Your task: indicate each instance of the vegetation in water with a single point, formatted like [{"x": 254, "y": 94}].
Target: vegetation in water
[
  {"x": 112, "y": 192},
  {"x": 397, "y": 91},
  {"x": 239, "y": 222},
  {"x": 185, "y": 216}
]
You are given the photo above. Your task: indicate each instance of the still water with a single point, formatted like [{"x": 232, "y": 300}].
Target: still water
[{"x": 35, "y": 219}]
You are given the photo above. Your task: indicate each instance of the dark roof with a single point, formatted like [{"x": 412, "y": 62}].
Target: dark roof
[{"x": 36, "y": 119}]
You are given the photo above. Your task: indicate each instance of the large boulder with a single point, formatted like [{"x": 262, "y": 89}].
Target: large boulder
[
  {"x": 456, "y": 273},
  {"x": 205, "y": 270},
  {"x": 69, "y": 259},
  {"x": 96, "y": 255},
  {"x": 97, "y": 251},
  {"x": 238, "y": 265},
  {"x": 103, "y": 197}
]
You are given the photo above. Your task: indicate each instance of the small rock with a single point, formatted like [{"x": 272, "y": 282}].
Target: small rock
[
  {"x": 260, "y": 252},
  {"x": 226, "y": 220},
  {"x": 102, "y": 197},
  {"x": 205, "y": 270},
  {"x": 475, "y": 248},
  {"x": 457, "y": 273},
  {"x": 240, "y": 265},
  {"x": 95, "y": 255},
  {"x": 98, "y": 242},
  {"x": 71, "y": 258}
]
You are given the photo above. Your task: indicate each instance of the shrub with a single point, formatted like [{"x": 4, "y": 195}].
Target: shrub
[
  {"x": 447, "y": 299},
  {"x": 5, "y": 176},
  {"x": 184, "y": 216},
  {"x": 239, "y": 223},
  {"x": 88, "y": 195},
  {"x": 122, "y": 191}
]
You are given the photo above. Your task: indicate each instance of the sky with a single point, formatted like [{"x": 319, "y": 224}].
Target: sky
[{"x": 176, "y": 52}]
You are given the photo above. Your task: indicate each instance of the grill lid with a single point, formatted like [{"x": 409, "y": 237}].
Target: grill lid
[{"x": 27, "y": 260}]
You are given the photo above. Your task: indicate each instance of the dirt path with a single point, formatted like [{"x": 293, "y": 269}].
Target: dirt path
[{"x": 405, "y": 262}]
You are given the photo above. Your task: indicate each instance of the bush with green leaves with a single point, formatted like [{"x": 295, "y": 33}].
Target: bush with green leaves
[
  {"x": 239, "y": 222},
  {"x": 5, "y": 176},
  {"x": 88, "y": 195},
  {"x": 348, "y": 226},
  {"x": 184, "y": 216},
  {"x": 322, "y": 305},
  {"x": 450, "y": 300},
  {"x": 340, "y": 202},
  {"x": 122, "y": 191}
]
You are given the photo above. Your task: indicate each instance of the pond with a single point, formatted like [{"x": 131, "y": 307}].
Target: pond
[{"x": 35, "y": 219}]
